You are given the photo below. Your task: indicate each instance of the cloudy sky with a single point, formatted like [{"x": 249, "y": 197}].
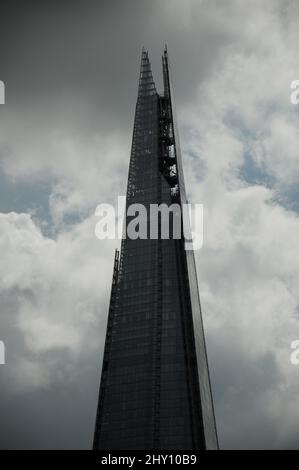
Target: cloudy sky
[{"x": 71, "y": 71}]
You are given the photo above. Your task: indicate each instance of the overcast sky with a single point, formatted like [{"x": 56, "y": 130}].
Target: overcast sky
[{"x": 71, "y": 74}]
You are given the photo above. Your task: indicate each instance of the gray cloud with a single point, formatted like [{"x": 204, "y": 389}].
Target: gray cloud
[{"x": 71, "y": 77}]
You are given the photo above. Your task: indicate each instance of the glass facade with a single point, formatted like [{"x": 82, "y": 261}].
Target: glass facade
[{"x": 155, "y": 389}]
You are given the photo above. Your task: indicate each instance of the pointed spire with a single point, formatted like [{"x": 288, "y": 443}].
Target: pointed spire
[
  {"x": 146, "y": 81},
  {"x": 165, "y": 67}
]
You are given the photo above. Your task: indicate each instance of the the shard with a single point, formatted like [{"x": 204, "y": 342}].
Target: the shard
[{"x": 155, "y": 388}]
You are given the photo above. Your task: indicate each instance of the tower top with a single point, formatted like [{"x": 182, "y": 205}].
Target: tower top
[{"x": 146, "y": 81}]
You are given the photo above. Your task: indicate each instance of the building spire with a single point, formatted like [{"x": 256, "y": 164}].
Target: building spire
[
  {"x": 165, "y": 67},
  {"x": 155, "y": 390},
  {"x": 146, "y": 81}
]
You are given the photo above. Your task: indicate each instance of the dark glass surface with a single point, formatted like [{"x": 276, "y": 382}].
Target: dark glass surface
[{"x": 155, "y": 390}]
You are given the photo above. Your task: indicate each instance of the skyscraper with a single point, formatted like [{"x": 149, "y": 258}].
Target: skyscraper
[{"x": 155, "y": 388}]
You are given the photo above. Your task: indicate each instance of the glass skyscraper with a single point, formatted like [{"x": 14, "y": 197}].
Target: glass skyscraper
[{"x": 155, "y": 388}]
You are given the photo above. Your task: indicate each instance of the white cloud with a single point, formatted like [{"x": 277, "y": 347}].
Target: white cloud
[
  {"x": 249, "y": 270},
  {"x": 59, "y": 296},
  {"x": 80, "y": 169},
  {"x": 276, "y": 149}
]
